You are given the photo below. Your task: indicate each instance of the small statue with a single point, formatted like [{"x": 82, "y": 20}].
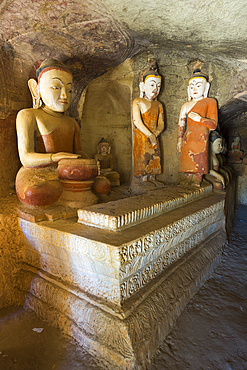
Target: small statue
[
  {"x": 106, "y": 162},
  {"x": 225, "y": 169},
  {"x": 198, "y": 116},
  {"x": 236, "y": 154},
  {"x": 148, "y": 119},
  {"x": 46, "y": 135},
  {"x": 218, "y": 180}
]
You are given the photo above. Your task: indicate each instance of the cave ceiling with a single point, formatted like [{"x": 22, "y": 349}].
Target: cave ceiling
[
  {"x": 93, "y": 36},
  {"x": 212, "y": 26}
]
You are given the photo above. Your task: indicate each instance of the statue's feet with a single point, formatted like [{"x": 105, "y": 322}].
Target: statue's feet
[
  {"x": 197, "y": 183},
  {"x": 157, "y": 183},
  {"x": 185, "y": 183},
  {"x": 138, "y": 186}
]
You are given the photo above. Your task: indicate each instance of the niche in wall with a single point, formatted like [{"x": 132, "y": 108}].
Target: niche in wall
[{"x": 105, "y": 111}]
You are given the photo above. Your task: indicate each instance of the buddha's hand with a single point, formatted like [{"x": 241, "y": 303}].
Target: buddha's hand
[
  {"x": 56, "y": 157},
  {"x": 194, "y": 116},
  {"x": 179, "y": 146},
  {"x": 156, "y": 132},
  {"x": 152, "y": 139}
]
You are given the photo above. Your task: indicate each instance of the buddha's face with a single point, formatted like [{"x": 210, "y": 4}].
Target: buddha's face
[
  {"x": 197, "y": 88},
  {"x": 152, "y": 87},
  {"x": 217, "y": 146},
  {"x": 104, "y": 148},
  {"x": 56, "y": 89}
]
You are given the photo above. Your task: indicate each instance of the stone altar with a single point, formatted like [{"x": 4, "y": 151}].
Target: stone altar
[{"x": 118, "y": 285}]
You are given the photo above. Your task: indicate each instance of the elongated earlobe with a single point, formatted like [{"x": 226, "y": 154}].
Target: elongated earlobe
[
  {"x": 188, "y": 91},
  {"x": 206, "y": 90},
  {"x": 34, "y": 89},
  {"x": 142, "y": 89}
]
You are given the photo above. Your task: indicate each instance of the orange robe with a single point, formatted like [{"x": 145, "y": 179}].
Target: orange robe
[
  {"x": 146, "y": 156},
  {"x": 194, "y": 155}
]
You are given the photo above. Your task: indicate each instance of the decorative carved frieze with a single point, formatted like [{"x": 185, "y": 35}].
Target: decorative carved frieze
[
  {"x": 130, "y": 251},
  {"x": 141, "y": 265}
]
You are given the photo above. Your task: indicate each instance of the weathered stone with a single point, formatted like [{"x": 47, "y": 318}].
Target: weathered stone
[{"x": 127, "y": 286}]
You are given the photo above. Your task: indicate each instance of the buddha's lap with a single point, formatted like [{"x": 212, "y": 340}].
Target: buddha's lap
[{"x": 38, "y": 187}]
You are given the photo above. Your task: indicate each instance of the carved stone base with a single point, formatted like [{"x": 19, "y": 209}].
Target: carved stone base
[
  {"x": 118, "y": 293},
  {"x": 128, "y": 338}
]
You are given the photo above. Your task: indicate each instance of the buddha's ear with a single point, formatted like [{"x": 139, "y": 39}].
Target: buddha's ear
[
  {"x": 109, "y": 149},
  {"x": 142, "y": 89},
  {"x": 188, "y": 91},
  {"x": 206, "y": 90},
  {"x": 34, "y": 89}
]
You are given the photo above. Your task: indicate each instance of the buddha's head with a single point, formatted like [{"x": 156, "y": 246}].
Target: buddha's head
[
  {"x": 53, "y": 87},
  {"x": 103, "y": 147},
  {"x": 150, "y": 83},
  {"x": 198, "y": 85},
  {"x": 215, "y": 142},
  {"x": 237, "y": 139}
]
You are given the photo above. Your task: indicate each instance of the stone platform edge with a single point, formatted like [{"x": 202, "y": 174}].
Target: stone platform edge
[{"x": 92, "y": 217}]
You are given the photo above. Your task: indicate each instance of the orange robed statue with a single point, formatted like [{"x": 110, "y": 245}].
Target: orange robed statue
[
  {"x": 199, "y": 115},
  {"x": 148, "y": 122}
]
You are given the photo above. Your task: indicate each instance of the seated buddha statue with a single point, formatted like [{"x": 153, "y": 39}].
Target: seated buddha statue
[
  {"x": 216, "y": 177},
  {"x": 105, "y": 159},
  {"x": 46, "y": 135},
  {"x": 223, "y": 161},
  {"x": 236, "y": 154}
]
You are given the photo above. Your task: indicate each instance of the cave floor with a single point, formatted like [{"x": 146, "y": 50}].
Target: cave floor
[{"x": 211, "y": 333}]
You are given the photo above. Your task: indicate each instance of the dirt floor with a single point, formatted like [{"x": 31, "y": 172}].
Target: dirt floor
[{"x": 211, "y": 333}]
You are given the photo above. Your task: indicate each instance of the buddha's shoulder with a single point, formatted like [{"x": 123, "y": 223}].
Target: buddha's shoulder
[
  {"x": 138, "y": 100},
  {"x": 211, "y": 100},
  {"x": 27, "y": 114}
]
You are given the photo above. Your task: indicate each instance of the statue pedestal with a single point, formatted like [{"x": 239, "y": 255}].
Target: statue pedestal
[
  {"x": 77, "y": 177},
  {"x": 118, "y": 285},
  {"x": 77, "y": 194}
]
